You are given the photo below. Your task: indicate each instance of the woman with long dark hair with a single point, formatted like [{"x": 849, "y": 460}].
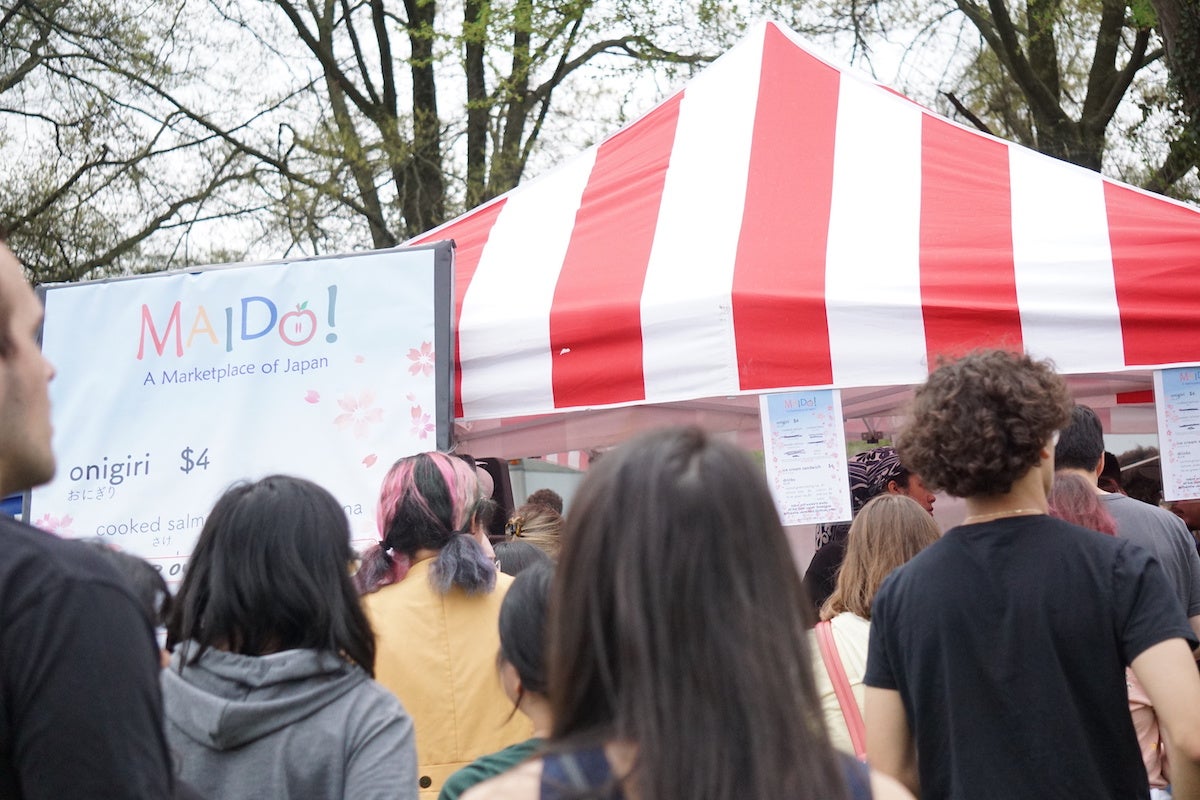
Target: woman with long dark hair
[
  {"x": 269, "y": 691},
  {"x": 678, "y": 655},
  {"x": 434, "y": 599},
  {"x": 522, "y": 666}
]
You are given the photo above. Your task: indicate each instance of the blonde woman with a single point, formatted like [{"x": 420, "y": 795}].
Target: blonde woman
[
  {"x": 537, "y": 524},
  {"x": 889, "y": 531}
]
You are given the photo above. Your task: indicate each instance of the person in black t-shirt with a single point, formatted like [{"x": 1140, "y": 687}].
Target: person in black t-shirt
[
  {"x": 80, "y": 706},
  {"x": 997, "y": 655}
]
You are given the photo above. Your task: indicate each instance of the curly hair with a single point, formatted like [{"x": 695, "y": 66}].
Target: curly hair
[{"x": 979, "y": 423}]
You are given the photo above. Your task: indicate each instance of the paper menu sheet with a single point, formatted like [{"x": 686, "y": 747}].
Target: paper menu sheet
[
  {"x": 804, "y": 445},
  {"x": 1177, "y": 404}
]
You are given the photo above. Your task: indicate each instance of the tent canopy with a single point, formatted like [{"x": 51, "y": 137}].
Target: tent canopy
[{"x": 782, "y": 223}]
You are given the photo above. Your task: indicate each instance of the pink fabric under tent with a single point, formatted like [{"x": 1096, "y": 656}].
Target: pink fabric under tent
[{"x": 783, "y": 223}]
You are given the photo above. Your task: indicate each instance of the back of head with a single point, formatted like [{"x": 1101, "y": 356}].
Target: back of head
[
  {"x": 142, "y": 578},
  {"x": 427, "y": 502},
  {"x": 270, "y": 573},
  {"x": 1080, "y": 442},
  {"x": 523, "y": 625},
  {"x": 660, "y": 635},
  {"x": 1141, "y": 474},
  {"x": 539, "y": 525},
  {"x": 979, "y": 424},
  {"x": 889, "y": 531},
  {"x": 883, "y": 466},
  {"x": 1075, "y": 500},
  {"x": 1110, "y": 475},
  {"x": 548, "y": 498},
  {"x": 517, "y": 556}
]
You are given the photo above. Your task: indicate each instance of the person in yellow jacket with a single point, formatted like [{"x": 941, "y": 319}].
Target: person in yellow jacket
[{"x": 433, "y": 596}]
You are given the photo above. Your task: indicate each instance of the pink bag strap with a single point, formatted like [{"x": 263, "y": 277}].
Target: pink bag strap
[{"x": 841, "y": 687}]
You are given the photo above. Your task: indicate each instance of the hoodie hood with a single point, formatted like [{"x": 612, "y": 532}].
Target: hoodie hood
[{"x": 226, "y": 700}]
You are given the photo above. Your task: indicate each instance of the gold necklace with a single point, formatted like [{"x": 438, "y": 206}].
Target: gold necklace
[{"x": 1012, "y": 512}]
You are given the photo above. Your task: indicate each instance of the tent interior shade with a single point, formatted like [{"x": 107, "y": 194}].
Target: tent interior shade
[{"x": 1121, "y": 400}]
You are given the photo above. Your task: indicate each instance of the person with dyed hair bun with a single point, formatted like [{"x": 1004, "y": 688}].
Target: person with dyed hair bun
[{"x": 433, "y": 595}]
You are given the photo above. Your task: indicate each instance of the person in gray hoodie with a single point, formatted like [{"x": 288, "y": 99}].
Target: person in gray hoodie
[{"x": 269, "y": 692}]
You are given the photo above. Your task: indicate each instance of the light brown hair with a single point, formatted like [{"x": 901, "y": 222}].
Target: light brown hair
[
  {"x": 537, "y": 524},
  {"x": 890, "y": 530}
]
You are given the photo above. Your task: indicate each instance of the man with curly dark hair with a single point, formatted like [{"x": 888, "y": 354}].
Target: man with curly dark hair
[{"x": 996, "y": 666}]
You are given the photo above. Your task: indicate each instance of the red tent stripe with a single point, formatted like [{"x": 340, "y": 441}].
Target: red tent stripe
[
  {"x": 779, "y": 275},
  {"x": 595, "y": 320},
  {"x": 968, "y": 283},
  {"x": 1156, "y": 261},
  {"x": 1135, "y": 398},
  {"x": 470, "y": 234}
]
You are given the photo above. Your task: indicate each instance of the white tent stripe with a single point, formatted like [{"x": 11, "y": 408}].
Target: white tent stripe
[
  {"x": 872, "y": 272},
  {"x": 1066, "y": 286},
  {"x": 1063, "y": 263},
  {"x": 504, "y": 335},
  {"x": 687, "y": 327}
]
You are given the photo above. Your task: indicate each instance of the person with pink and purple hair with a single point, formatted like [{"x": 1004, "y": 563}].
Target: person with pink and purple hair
[{"x": 433, "y": 595}]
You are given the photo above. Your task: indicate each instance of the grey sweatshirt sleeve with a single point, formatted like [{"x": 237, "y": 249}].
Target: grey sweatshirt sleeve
[{"x": 382, "y": 762}]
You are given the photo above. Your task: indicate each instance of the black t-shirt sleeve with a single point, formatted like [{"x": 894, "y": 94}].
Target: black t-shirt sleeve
[
  {"x": 1148, "y": 611},
  {"x": 80, "y": 674},
  {"x": 880, "y": 672}
]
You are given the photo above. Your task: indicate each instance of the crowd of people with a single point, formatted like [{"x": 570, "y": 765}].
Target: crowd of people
[{"x": 654, "y": 642}]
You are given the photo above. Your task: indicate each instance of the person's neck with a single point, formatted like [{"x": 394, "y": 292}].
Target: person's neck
[
  {"x": 424, "y": 554},
  {"x": 1086, "y": 474},
  {"x": 1027, "y": 497},
  {"x": 537, "y": 708}
]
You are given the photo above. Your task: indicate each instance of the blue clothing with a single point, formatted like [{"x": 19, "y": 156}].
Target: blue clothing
[{"x": 587, "y": 773}]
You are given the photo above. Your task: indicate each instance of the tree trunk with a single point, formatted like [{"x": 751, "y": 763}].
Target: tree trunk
[
  {"x": 475, "y": 19},
  {"x": 422, "y": 192}
]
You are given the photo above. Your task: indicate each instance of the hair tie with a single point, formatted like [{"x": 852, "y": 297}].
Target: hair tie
[{"x": 513, "y": 527}]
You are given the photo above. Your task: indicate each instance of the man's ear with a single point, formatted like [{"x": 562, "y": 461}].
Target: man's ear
[{"x": 1099, "y": 466}]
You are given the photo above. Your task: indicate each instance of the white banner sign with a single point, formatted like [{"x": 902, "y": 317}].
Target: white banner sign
[
  {"x": 804, "y": 444},
  {"x": 171, "y": 387},
  {"x": 1177, "y": 403}
]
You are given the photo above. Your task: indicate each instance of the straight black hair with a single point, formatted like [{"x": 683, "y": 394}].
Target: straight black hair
[
  {"x": 270, "y": 572},
  {"x": 515, "y": 557},
  {"x": 678, "y": 624},
  {"x": 523, "y": 624}
]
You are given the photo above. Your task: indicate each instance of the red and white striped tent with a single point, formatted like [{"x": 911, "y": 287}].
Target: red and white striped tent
[{"x": 782, "y": 223}]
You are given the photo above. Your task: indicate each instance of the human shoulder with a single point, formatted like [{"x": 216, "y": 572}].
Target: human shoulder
[
  {"x": 35, "y": 565},
  {"x": 1123, "y": 506},
  {"x": 378, "y": 702},
  {"x": 522, "y": 782},
  {"x": 884, "y": 787},
  {"x": 488, "y": 766}
]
